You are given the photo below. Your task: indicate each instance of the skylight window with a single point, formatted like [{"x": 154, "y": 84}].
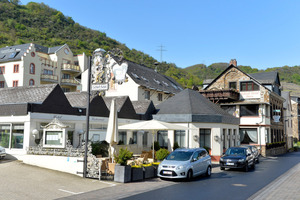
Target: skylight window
[
  {"x": 166, "y": 84},
  {"x": 135, "y": 75},
  {"x": 156, "y": 81},
  {"x": 174, "y": 86},
  {"x": 144, "y": 78},
  {"x": 3, "y": 56},
  {"x": 13, "y": 54}
]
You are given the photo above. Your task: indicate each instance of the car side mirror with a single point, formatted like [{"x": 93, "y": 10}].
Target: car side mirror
[
  {"x": 249, "y": 154},
  {"x": 194, "y": 159}
]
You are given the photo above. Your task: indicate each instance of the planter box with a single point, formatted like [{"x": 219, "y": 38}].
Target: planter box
[
  {"x": 136, "y": 174},
  {"x": 122, "y": 174},
  {"x": 148, "y": 172}
]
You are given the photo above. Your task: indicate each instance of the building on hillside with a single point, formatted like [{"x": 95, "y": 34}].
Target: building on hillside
[
  {"x": 256, "y": 100},
  {"x": 296, "y": 117},
  {"x": 25, "y": 111},
  {"x": 33, "y": 64},
  {"x": 288, "y": 118},
  {"x": 143, "y": 83},
  {"x": 210, "y": 126}
]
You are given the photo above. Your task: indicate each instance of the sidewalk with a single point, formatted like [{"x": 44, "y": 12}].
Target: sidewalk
[{"x": 284, "y": 187}]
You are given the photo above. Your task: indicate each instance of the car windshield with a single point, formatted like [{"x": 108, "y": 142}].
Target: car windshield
[
  {"x": 180, "y": 155},
  {"x": 236, "y": 151}
]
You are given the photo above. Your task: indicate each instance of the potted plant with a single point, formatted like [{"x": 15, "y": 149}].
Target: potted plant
[
  {"x": 148, "y": 170},
  {"x": 161, "y": 154},
  {"x": 136, "y": 173},
  {"x": 175, "y": 146},
  {"x": 122, "y": 170}
]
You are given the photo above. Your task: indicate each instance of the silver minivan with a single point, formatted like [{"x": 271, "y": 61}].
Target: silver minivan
[{"x": 185, "y": 163}]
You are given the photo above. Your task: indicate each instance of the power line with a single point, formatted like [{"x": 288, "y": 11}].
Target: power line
[{"x": 161, "y": 49}]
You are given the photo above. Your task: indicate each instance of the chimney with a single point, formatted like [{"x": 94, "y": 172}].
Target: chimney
[{"x": 233, "y": 62}]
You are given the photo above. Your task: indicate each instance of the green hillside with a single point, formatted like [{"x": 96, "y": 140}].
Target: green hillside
[{"x": 40, "y": 24}]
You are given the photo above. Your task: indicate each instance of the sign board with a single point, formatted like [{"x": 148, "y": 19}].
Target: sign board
[
  {"x": 97, "y": 87},
  {"x": 250, "y": 95}
]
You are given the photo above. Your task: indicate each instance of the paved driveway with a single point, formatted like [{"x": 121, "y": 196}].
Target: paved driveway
[{"x": 21, "y": 181}]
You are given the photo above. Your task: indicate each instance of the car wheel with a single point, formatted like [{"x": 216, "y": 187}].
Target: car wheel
[
  {"x": 222, "y": 168},
  {"x": 253, "y": 166},
  {"x": 208, "y": 171},
  {"x": 189, "y": 175},
  {"x": 246, "y": 167}
]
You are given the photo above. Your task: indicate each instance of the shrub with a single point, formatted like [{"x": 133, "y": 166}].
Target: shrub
[
  {"x": 176, "y": 146},
  {"x": 162, "y": 154},
  {"x": 156, "y": 146},
  {"x": 100, "y": 147},
  {"x": 124, "y": 155}
]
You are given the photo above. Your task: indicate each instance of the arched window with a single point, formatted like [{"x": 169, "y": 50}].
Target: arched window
[
  {"x": 31, "y": 82},
  {"x": 32, "y": 69}
]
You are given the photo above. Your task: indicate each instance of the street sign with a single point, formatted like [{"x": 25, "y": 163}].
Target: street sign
[{"x": 99, "y": 87}]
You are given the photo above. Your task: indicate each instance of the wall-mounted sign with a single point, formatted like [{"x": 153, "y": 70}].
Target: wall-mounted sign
[
  {"x": 276, "y": 118},
  {"x": 99, "y": 87},
  {"x": 250, "y": 95}
]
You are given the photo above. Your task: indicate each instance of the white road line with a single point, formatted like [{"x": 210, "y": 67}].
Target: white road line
[
  {"x": 70, "y": 191},
  {"x": 112, "y": 184}
]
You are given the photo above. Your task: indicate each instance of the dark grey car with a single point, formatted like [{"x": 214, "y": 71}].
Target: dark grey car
[{"x": 254, "y": 151}]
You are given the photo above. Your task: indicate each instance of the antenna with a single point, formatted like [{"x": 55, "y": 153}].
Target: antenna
[{"x": 161, "y": 49}]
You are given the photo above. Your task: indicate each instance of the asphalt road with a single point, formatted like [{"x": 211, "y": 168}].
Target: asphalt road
[{"x": 228, "y": 184}]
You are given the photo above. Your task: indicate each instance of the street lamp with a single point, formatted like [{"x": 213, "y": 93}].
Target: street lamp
[{"x": 100, "y": 68}]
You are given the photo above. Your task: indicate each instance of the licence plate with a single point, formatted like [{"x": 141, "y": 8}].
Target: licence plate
[
  {"x": 167, "y": 172},
  {"x": 229, "y": 163}
]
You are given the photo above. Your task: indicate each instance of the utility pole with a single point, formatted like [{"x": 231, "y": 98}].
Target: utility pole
[{"x": 161, "y": 49}]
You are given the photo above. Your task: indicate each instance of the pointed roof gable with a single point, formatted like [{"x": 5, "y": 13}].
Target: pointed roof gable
[
  {"x": 124, "y": 107},
  {"x": 30, "y": 94},
  {"x": 191, "y": 106}
]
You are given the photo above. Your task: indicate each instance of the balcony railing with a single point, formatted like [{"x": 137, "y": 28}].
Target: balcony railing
[
  {"x": 49, "y": 78},
  {"x": 65, "y": 81},
  {"x": 70, "y": 67},
  {"x": 221, "y": 95}
]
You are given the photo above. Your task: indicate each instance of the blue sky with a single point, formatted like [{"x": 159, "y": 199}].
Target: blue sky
[{"x": 256, "y": 33}]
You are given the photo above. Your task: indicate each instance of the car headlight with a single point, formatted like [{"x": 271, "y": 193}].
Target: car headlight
[
  {"x": 241, "y": 160},
  {"x": 221, "y": 159},
  {"x": 179, "y": 167}
]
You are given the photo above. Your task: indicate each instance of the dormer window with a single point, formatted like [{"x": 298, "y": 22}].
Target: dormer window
[
  {"x": 156, "y": 81},
  {"x": 249, "y": 86},
  {"x": 135, "y": 75}
]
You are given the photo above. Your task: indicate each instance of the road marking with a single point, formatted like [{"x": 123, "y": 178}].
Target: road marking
[
  {"x": 239, "y": 185},
  {"x": 70, "y": 191},
  {"x": 112, "y": 184}
]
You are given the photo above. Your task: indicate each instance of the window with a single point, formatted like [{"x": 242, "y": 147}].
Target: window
[
  {"x": 147, "y": 94},
  {"x": 12, "y": 139},
  {"x": 224, "y": 135},
  {"x": 48, "y": 72},
  {"x": 2, "y": 69},
  {"x": 249, "y": 110},
  {"x": 15, "y": 83},
  {"x": 54, "y": 138},
  {"x": 229, "y": 138},
  {"x": 66, "y": 76},
  {"x": 159, "y": 96},
  {"x": 234, "y": 138},
  {"x": 32, "y": 54},
  {"x": 249, "y": 86},
  {"x": 145, "y": 138},
  {"x": 16, "y": 68},
  {"x": 122, "y": 137},
  {"x": 32, "y": 69},
  {"x": 31, "y": 82},
  {"x": 180, "y": 138},
  {"x": 232, "y": 85},
  {"x": 248, "y": 135},
  {"x": 134, "y": 137},
  {"x": 66, "y": 89},
  {"x": 205, "y": 135},
  {"x": 163, "y": 139},
  {"x": 1, "y": 84}
]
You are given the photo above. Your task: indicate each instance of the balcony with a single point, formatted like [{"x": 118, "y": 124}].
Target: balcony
[
  {"x": 70, "y": 68},
  {"x": 69, "y": 81},
  {"x": 49, "y": 78},
  {"x": 226, "y": 95}
]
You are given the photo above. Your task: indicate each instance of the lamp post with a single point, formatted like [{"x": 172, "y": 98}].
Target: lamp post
[{"x": 101, "y": 66}]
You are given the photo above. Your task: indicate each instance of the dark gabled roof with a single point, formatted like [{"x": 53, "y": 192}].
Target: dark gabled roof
[
  {"x": 47, "y": 50},
  {"x": 266, "y": 77},
  {"x": 77, "y": 99},
  {"x": 148, "y": 78},
  {"x": 30, "y": 94},
  {"x": 141, "y": 107},
  {"x": 13, "y": 53},
  {"x": 120, "y": 100},
  {"x": 124, "y": 107},
  {"x": 191, "y": 106}
]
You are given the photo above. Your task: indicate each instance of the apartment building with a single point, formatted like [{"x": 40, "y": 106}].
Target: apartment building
[
  {"x": 32, "y": 64},
  {"x": 256, "y": 100}
]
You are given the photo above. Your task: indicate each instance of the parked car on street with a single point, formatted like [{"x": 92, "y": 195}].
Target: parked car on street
[
  {"x": 2, "y": 153},
  {"x": 237, "y": 157},
  {"x": 185, "y": 163},
  {"x": 255, "y": 152}
]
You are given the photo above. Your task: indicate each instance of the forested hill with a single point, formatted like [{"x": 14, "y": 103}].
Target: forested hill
[{"x": 40, "y": 24}]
